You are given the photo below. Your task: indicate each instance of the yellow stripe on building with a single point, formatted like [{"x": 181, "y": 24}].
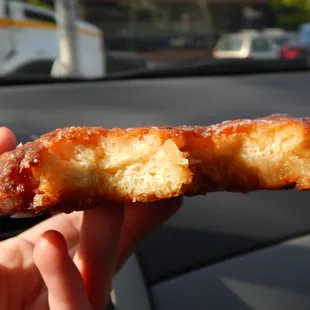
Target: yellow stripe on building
[{"x": 18, "y": 23}]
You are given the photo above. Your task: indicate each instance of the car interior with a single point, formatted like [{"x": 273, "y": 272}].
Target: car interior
[
  {"x": 220, "y": 251},
  {"x": 135, "y": 63}
]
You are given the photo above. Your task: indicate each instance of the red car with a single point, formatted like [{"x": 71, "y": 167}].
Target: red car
[{"x": 295, "y": 51}]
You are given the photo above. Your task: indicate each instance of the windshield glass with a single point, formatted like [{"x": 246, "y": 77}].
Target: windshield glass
[
  {"x": 95, "y": 38},
  {"x": 229, "y": 44},
  {"x": 279, "y": 41}
]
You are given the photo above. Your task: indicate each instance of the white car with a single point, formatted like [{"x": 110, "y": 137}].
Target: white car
[{"x": 245, "y": 45}]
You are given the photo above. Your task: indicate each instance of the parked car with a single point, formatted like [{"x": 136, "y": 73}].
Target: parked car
[
  {"x": 297, "y": 51},
  {"x": 279, "y": 36},
  {"x": 274, "y": 31},
  {"x": 245, "y": 45},
  {"x": 299, "y": 47}
]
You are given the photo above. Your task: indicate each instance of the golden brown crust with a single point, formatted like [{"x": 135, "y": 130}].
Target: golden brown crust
[{"x": 215, "y": 153}]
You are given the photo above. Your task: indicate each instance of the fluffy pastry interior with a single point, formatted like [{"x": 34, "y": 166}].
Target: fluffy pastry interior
[
  {"x": 150, "y": 167},
  {"x": 116, "y": 166},
  {"x": 279, "y": 155}
]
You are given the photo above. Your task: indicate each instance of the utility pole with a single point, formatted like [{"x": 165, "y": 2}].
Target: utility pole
[
  {"x": 134, "y": 4},
  {"x": 68, "y": 62},
  {"x": 207, "y": 16}
]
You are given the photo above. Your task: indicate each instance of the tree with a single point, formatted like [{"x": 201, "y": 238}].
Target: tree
[
  {"x": 291, "y": 13},
  {"x": 40, "y": 3}
]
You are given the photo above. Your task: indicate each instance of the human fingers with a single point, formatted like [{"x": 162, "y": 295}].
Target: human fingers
[
  {"x": 97, "y": 250},
  {"x": 140, "y": 220},
  {"x": 64, "y": 283},
  {"x": 7, "y": 140},
  {"x": 68, "y": 225}
]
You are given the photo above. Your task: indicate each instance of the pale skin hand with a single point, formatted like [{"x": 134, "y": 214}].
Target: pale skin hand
[{"x": 67, "y": 262}]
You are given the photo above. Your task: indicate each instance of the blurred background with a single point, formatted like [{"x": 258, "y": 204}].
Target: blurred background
[{"x": 94, "y": 38}]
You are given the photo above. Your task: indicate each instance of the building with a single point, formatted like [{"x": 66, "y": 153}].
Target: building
[
  {"x": 148, "y": 19},
  {"x": 150, "y": 26},
  {"x": 191, "y": 14}
]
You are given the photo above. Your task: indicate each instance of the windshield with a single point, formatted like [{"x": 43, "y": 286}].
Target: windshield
[
  {"x": 281, "y": 40},
  {"x": 96, "y": 38},
  {"x": 229, "y": 44}
]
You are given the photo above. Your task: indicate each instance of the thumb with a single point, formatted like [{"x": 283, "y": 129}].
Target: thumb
[{"x": 61, "y": 276}]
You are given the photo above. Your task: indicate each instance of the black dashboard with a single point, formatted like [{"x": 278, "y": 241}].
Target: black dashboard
[{"x": 207, "y": 230}]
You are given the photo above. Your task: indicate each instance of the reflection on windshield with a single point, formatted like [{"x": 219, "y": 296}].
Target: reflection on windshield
[{"x": 94, "y": 38}]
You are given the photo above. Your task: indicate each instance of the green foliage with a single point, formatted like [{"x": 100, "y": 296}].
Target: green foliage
[
  {"x": 291, "y": 13},
  {"x": 40, "y": 3}
]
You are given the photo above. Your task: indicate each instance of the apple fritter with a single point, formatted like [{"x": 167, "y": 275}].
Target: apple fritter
[{"x": 75, "y": 168}]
